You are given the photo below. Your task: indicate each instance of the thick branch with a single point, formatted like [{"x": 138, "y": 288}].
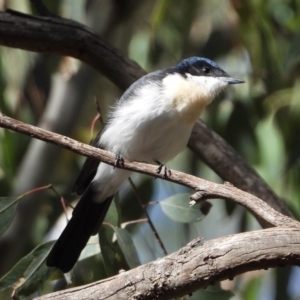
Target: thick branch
[
  {"x": 207, "y": 190},
  {"x": 192, "y": 267},
  {"x": 67, "y": 37}
]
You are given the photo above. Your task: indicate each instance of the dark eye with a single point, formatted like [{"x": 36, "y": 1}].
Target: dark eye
[{"x": 206, "y": 70}]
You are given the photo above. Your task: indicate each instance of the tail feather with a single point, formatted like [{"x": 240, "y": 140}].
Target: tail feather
[{"x": 86, "y": 220}]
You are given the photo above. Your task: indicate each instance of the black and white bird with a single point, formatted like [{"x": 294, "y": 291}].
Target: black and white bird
[{"x": 152, "y": 123}]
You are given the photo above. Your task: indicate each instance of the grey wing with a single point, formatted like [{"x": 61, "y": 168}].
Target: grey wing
[
  {"x": 155, "y": 76},
  {"x": 90, "y": 166},
  {"x": 87, "y": 172}
]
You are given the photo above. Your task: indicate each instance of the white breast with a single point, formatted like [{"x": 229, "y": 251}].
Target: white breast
[
  {"x": 145, "y": 129},
  {"x": 189, "y": 95},
  {"x": 156, "y": 122}
]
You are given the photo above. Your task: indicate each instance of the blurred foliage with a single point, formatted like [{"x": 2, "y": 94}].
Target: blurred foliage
[{"x": 258, "y": 41}]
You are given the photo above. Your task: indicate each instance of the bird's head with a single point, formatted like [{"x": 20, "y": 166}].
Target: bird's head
[
  {"x": 191, "y": 85},
  {"x": 205, "y": 72}
]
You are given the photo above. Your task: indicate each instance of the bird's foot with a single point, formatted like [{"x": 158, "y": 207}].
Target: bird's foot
[
  {"x": 119, "y": 161},
  {"x": 164, "y": 168}
]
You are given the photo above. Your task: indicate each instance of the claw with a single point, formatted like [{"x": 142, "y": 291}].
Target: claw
[
  {"x": 119, "y": 161},
  {"x": 166, "y": 170}
]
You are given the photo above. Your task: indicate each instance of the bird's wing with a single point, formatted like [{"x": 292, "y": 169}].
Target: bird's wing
[
  {"x": 154, "y": 77},
  {"x": 90, "y": 166}
]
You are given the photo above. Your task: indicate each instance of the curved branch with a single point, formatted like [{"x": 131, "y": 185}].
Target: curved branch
[
  {"x": 207, "y": 189},
  {"x": 67, "y": 37},
  {"x": 192, "y": 267}
]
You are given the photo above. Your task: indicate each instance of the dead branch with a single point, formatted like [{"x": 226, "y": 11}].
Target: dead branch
[
  {"x": 69, "y": 38},
  {"x": 195, "y": 266}
]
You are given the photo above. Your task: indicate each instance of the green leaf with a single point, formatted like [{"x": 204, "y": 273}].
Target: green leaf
[
  {"x": 106, "y": 236},
  {"x": 92, "y": 248},
  {"x": 112, "y": 215},
  {"x": 177, "y": 209},
  {"x": 271, "y": 149},
  {"x": 29, "y": 273},
  {"x": 112, "y": 256},
  {"x": 8, "y": 207},
  {"x": 293, "y": 56},
  {"x": 252, "y": 288},
  {"x": 128, "y": 248}
]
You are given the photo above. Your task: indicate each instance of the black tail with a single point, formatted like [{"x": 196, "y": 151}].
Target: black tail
[{"x": 86, "y": 220}]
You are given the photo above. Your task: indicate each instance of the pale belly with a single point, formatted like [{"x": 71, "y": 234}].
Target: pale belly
[
  {"x": 160, "y": 140},
  {"x": 158, "y": 143}
]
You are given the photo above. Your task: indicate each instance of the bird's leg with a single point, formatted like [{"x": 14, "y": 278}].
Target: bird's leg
[
  {"x": 119, "y": 160},
  {"x": 166, "y": 170}
]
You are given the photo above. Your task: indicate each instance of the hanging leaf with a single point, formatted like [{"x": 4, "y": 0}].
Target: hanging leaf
[
  {"x": 29, "y": 273},
  {"x": 177, "y": 209},
  {"x": 92, "y": 248},
  {"x": 127, "y": 246},
  {"x": 8, "y": 207},
  {"x": 113, "y": 258},
  {"x": 113, "y": 214}
]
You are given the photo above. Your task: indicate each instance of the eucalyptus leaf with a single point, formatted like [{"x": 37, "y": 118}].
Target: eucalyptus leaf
[
  {"x": 293, "y": 55},
  {"x": 113, "y": 259},
  {"x": 113, "y": 214},
  {"x": 29, "y": 273},
  {"x": 92, "y": 248},
  {"x": 177, "y": 209},
  {"x": 8, "y": 207},
  {"x": 127, "y": 246}
]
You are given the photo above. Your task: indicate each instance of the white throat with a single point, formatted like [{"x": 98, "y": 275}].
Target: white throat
[{"x": 212, "y": 85}]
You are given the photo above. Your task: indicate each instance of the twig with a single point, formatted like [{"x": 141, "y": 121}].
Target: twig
[
  {"x": 123, "y": 225},
  {"x": 208, "y": 189},
  {"x": 159, "y": 240},
  {"x": 38, "y": 189}
]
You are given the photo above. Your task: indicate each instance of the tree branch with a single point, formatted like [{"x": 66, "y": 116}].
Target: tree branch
[
  {"x": 67, "y": 37},
  {"x": 39, "y": 34},
  {"x": 230, "y": 166},
  {"x": 192, "y": 267},
  {"x": 206, "y": 189}
]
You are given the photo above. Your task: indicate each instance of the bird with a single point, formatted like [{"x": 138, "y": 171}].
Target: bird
[{"x": 152, "y": 123}]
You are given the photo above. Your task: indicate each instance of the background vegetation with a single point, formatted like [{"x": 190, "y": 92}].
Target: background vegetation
[{"x": 258, "y": 41}]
